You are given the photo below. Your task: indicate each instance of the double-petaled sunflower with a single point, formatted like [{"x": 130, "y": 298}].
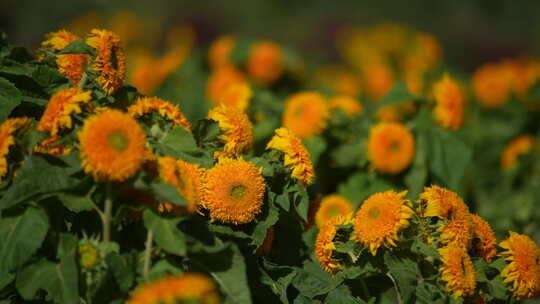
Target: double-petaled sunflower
[
  {"x": 110, "y": 62},
  {"x": 305, "y": 114},
  {"x": 450, "y": 107},
  {"x": 65, "y": 102},
  {"x": 70, "y": 65},
  {"x": 236, "y": 130},
  {"x": 457, "y": 270},
  {"x": 220, "y": 79},
  {"x": 325, "y": 246},
  {"x": 484, "y": 242},
  {"x": 164, "y": 108},
  {"x": 331, "y": 206},
  {"x": 7, "y": 139},
  {"x": 265, "y": 62},
  {"x": 391, "y": 147}
]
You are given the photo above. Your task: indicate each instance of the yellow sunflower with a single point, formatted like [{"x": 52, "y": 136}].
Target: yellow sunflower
[
  {"x": 305, "y": 114},
  {"x": 380, "y": 218},
  {"x": 457, "y": 271},
  {"x": 220, "y": 79},
  {"x": 70, "y": 65},
  {"x": 484, "y": 241},
  {"x": 7, "y": 139},
  {"x": 519, "y": 146},
  {"x": 331, "y": 206},
  {"x": 324, "y": 244},
  {"x": 187, "y": 287},
  {"x": 450, "y": 100},
  {"x": 296, "y": 155},
  {"x": 523, "y": 269},
  {"x": 265, "y": 62},
  {"x": 237, "y": 95},
  {"x": 391, "y": 147},
  {"x": 65, "y": 102},
  {"x": 112, "y": 146},
  {"x": 220, "y": 51},
  {"x": 164, "y": 108},
  {"x": 236, "y": 130},
  {"x": 110, "y": 62},
  {"x": 186, "y": 177},
  {"x": 492, "y": 84},
  {"x": 233, "y": 191},
  {"x": 347, "y": 104}
]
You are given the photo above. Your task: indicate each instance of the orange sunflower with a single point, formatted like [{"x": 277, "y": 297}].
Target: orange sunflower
[
  {"x": 65, "y": 102},
  {"x": 187, "y": 287},
  {"x": 347, "y": 104},
  {"x": 237, "y": 130},
  {"x": 164, "y": 108},
  {"x": 233, "y": 191},
  {"x": 70, "y": 65},
  {"x": 523, "y": 269},
  {"x": 7, "y": 139},
  {"x": 450, "y": 100},
  {"x": 331, "y": 206},
  {"x": 378, "y": 79},
  {"x": 391, "y": 147},
  {"x": 457, "y": 271},
  {"x": 237, "y": 95},
  {"x": 186, "y": 177},
  {"x": 492, "y": 84},
  {"x": 484, "y": 241},
  {"x": 296, "y": 155},
  {"x": 380, "y": 218},
  {"x": 324, "y": 244},
  {"x": 220, "y": 79},
  {"x": 110, "y": 62},
  {"x": 220, "y": 51},
  {"x": 305, "y": 114},
  {"x": 265, "y": 62},
  {"x": 517, "y": 147},
  {"x": 112, "y": 146}
]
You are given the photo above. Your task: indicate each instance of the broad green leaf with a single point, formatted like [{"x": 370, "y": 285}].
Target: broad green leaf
[
  {"x": 349, "y": 154},
  {"x": 497, "y": 288},
  {"x": 342, "y": 295},
  {"x": 278, "y": 278},
  {"x": 161, "y": 268},
  {"x": 66, "y": 270},
  {"x": 166, "y": 233},
  {"x": 49, "y": 79},
  {"x": 124, "y": 268},
  {"x": 76, "y": 203},
  {"x": 260, "y": 231},
  {"x": 180, "y": 143},
  {"x": 167, "y": 193},
  {"x": 312, "y": 281},
  {"x": 10, "y": 97},
  {"x": 78, "y": 47},
  {"x": 417, "y": 174},
  {"x": 300, "y": 200},
  {"x": 20, "y": 237},
  {"x": 404, "y": 271},
  {"x": 360, "y": 186},
  {"x": 315, "y": 146}
]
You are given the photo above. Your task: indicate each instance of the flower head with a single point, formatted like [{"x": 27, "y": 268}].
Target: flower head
[
  {"x": 110, "y": 62},
  {"x": 457, "y": 270},
  {"x": 265, "y": 62},
  {"x": 164, "y": 108},
  {"x": 112, "y": 146},
  {"x": 519, "y": 146},
  {"x": 379, "y": 79},
  {"x": 347, "y": 104},
  {"x": 391, "y": 147},
  {"x": 380, "y": 218},
  {"x": 331, "y": 206},
  {"x": 237, "y": 95},
  {"x": 220, "y": 51},
  {"x": 233, "y": 191},
  {"x": 442, "y": 203},
  {"x": 237, "y": 130},
  {"x": 484, "y": 242},
  {"x": 450, "y": 103},
  {"x": 187, "y": 287},
  {"x": 325, "y": 246},
  {"x": 296, "y": 156},
  {"x": 305, "y": 114},
  {"x": 70, "y": 65},
  {"x": 88, "y": 256},
  {"x": 220, "y": 79},
  {"x": 186, "y": 177},
  {"x": 65, "y": 102},
  {"x": 7, "y": 139},
  {"x": 523, "y": 269},
  {"x": 492, "y": 84}
]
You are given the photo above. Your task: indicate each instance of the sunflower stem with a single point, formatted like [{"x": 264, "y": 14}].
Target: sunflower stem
[
  {"x": 148, "y": 253},
  {"x": 107, "y": 213},
  {"x": 398, "y": 294},
  {"x": 83, "y": 80}
]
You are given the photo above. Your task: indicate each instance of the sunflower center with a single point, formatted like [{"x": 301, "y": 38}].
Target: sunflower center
[
  {"x": 298, "y": 112},
  {"x": 118, "y": 141},
  {"x": 238, "y": 191},
  {"x": 374, "y": 213},
  {"x": 333, "y": 211},
  {"x": 394, "y": 146}
]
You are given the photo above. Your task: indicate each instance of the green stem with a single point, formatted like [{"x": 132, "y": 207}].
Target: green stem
[
  {"x": 107, "y": 213},
  {"x": 83, "y": 80},
  {"x": 148, "y": 253},
  {"x": 398, "y": 294}
]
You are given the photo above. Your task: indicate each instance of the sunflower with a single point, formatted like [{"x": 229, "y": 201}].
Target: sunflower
[
  {"x": 305, "y": 114},
  {"x": 233, "y": 191},
  {"x": 378, "y": 79},
  {"x": 523, "y": 269},
  {"x": 484, "y": 241},
  {"x": 492, "y": 84},
  {"x": 380, "y": 218},
  {"x": 65, "y": 102},
  {"x": 457, "y": 231},
  {"x": 220, "y": 79},
  {"x": 347, "y": 104},
  {"x": 457, "y": 271},
  {"x": 7, "y": 139},
  {"x": 391, "y": 147},
  {"x": 517, "y": 147},
  {"x": 112, "y": 146},
  {"x": 70, "y": 65},
  {"x": 296, "y": 155},
  {"x": 220, "y": 51},
  {"x": 325, "y": 246},
  {"x": 442, "y": 203},
  {"x": 110, "y": 62},
  {"x": 51, "y": 145},
  {"x": 237, "y": 130},
  {"x": 187, "y": 287},
  {"x": 265, "y": 62},
  {"x": 331, "y": 206},
  {"x": 164, "y": 108},
  {"x": 186, "y": 177},
  {"x": 237, "y": 95},
  {"x": 450, "y": 103}
]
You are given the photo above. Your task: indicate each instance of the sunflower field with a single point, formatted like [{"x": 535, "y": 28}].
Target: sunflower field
[{"x": 243, "y": 170}]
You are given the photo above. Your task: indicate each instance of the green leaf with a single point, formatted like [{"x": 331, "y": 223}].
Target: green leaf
[
  {"x": 278, "y": 278},
  {"x": 180, "y": 143},
  {"x": 360, "y": 186},
  {"x": 166, "y": 233},
  {"x": 300, "y": 200},
  {"x": 76, "y": 203},
  {"x": 31, "y": 138},
  {"x": 259, "y": 233},
  {"x": 312, "y": 281},
  {"x": 10, "y": 97},
  {"x": 348, "y": 155},
  {"x": 167, "y": 193},
  {"x": 315, "y": 146},
  {"x": 418, "y": 173},
  {"x": 124, "y": 268},
  {"x": 342, "y": 295},
  {"x": 37, "y": 176},
  {"x": 78, "y": 47},
  {"x": 66, "y": 270},
  {"x": 161, "y": 268},
  {"x": 399, "y": 93},
  {"x": 404, "y": 271},
  {"x": 49, "y": 79},
  {"x": 20, "y": 237},
  {"x": 497, "y": 288}
]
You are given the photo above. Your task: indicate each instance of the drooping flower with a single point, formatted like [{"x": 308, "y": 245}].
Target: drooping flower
[
  {"x": 110, "y": 62},
  {"x": 220, "y": 51},
  {"x": 233, "y": 191},
  {"x": 112, "y": 146},
  {"x": 296, "y": 156},
  {"x": 70, "y": 65},
  {"x": 391, "y": 147},
  {"x": 65, "y": 102},
  {"x": 449, "y": 110},
  {"x": 265, "y": 62},
  {"x": 325, "y": 246},
  {"x": 380, "y": 218},
  {"x": 187, "y": 287},
  {"x": 7, "y": 139},
  {"x": 457, "y": 271},
  {"x": 186, "y": 177},
  {"x": 237, "y": 130},
  {"x": 331, "y": 206},
  {"x": 484, "y": 241},
  {"x": 492, "y": 84},
  {"x": 517, "y": 147},
  {"x": 523, "y": 269},
  {"x": 220, "y": 79},
  {"x": 305, "y": 114},
  {"x": 166, "y": 109},
  {"x": 347, "y": 104}
]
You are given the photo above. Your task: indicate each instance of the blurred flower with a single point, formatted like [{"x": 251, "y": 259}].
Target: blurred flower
[
  {"x": 484, "y": 242},
  {"x": 515, "y": 149},
  {"x": 220, "y": 51},
  {"x": 325, "y": 246},
  {"x": 331, "y": 206},
  {"x": 62, "y": 104},
  {"x": 339, "y": 79},
  {"x": 347, "y": 104},
  {"x": 457, "y": 271},
  {"x": 237, "y": 95},
  {"x": 83, "y": 23},
  {"x": 52, "y": 146},
  {"x": 236, "y": 130},
  {"x": 449, "y": 110},
  {"x": 391, "y": 147},
  {"x": 492, "y": 85},
  {"x": 233, "y": 191},
  {"x": 265, "y": 62},
  {"x": 220, "y": 79},
  {"x": 70, "y": 65},
  {"x": 388, "y": 113},
  {"x": 305, "y": 114},
  {"x": 166, "y": 109},
  {"x": 110, "y": 62},
  {"x": 378, "y": 79},
  {"x": 7, "y": 139}
]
